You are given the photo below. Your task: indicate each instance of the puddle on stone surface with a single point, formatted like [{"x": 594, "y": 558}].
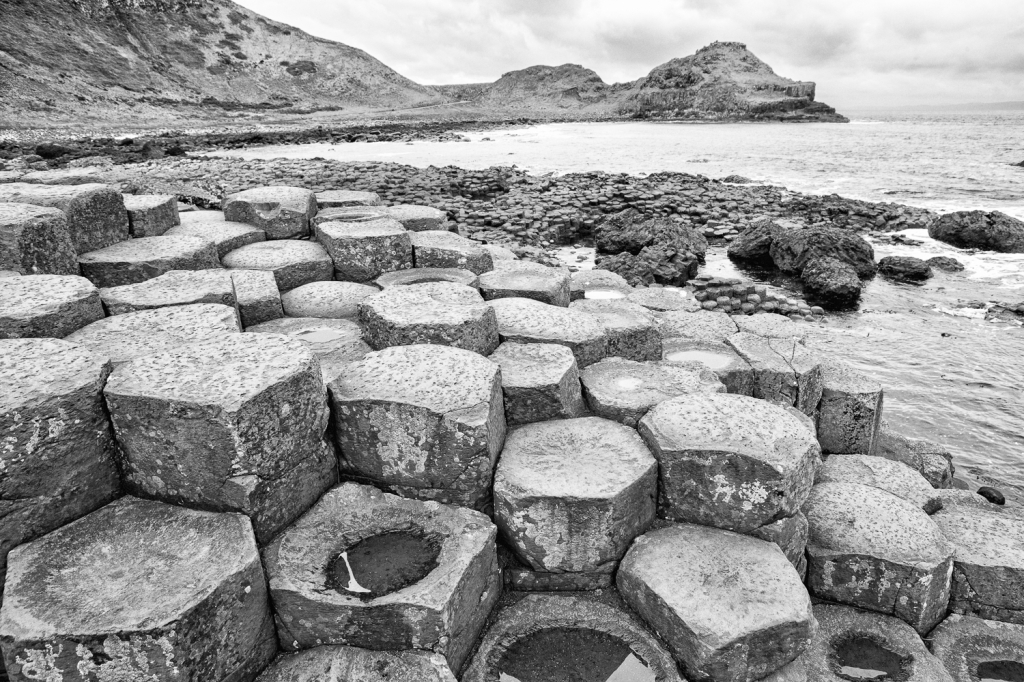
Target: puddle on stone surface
[
  {"x": 1001, "y": 671},
  {"x": 382, "y": 564},
  {"x": 602, "y": 294},
  {"x": 319, "y": 335},
  {"x": 710, "y": 358},
  {"x": 861, "y": 658},
  {"x": 629, "y": 383},
  {"x": 572, "y": 655}
]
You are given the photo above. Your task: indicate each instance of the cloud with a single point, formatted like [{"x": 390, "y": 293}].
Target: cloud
[{"x": 868, "y": 53}]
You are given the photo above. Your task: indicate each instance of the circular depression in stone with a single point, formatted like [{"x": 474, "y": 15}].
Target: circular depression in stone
[
  {"x": 860, "y": 658},
  {"x": 1001, "y": 671},
  {"x": 603, "y": 294},
  {"x": 384, "y": 563},
  {"x": 713, "y": 361},
  {"x": 572, "y": 654}
]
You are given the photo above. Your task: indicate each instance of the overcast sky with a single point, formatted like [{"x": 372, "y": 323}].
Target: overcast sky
[{"x": 860, "y": 52}]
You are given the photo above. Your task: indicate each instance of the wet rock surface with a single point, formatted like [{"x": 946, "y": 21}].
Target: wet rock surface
[
  {"x": 993, "y": 231},
  {"x": 47, "y": 305},
  {"x": 731, "y": 369},
  {"x": 34, "y": 240},
  {"x": 138, "y": 260},
  {"x": 539, "y": 381},
  {"x": 904, "y": 269},
  {"x": 973, "y": 648},
  {"x": 834, "y": 282},
  {"x": 600, "y": 284}
]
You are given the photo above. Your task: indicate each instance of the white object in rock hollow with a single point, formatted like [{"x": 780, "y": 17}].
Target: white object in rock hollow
[{"x": 353, "y": 584}]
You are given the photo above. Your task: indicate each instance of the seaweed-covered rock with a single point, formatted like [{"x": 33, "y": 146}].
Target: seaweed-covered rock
[
  {"x": 832, "y": 282},
  {"x": 904, "y": 269},
  {"x": 631, "y": 330},
  {"x": 794, "y": 249},
  {"x": 993, "y": 231}
]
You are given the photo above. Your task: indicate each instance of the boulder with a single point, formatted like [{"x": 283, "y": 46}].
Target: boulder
[
  {"x": 140, "y": 259},
  {"x": 630, "y": 232},
  {"x": 664, "y": 299},
  {"x": 336, "y": 343},
  {"x": 426, "y": 275},
  {"x": 418, "y": 218},
  {"x": 524, "y": 279},
  {"x": 730, "y": 607},
  {"x": 281, "y": 212},
  {"x": 785, "y": 371},
  {"x": 343, "y": 663},
  {"x": 524, "y": 320},
  {"x": 34, "y": 240},
  {"x": 333, "y": 300},
  {"x": 652, "y": 265},
  {"x": 175, "y": 287},
  {"x": 292, "y": 261},
  {"x": 368, "y": 569},
  {"x": 832, "y": 282},
  {"x": 334, "y": 198},
  {"x": 976, "y": 649},
  {"x": 96, "y": 214},
  {"x": 731, "y": 369},
  {"x": 729, "y": 461},
  {"x": 755, "y": 242},
  {"x": 151, "y": 215},
  {"x": 139, "y": 590},
  {"x": 424, "y": 421},
  {"x": 904, "y": 269},
  {"x": 441, "y": 313},
  {"x": 631, "y": 330},
  {"x": 792, "y": 250},
  {"x": 211, "y": 226},
  {"x": 873, "y": 550},
  {"x": 363, "y": 251},
  {"x": 701, "y": 325},
  {"x": 929, "y": 459},
  {"x": 540, "y": 381},
  {"x": 993, "y": 231},
  {"x": 850, "y": 410},
  {"x": 601, "y": 284},
  {"x": 571, "y": 495},
  {"x": 440, "y": 249},
  {"x": 945, "y": 263},
  {"x": 256, "y": 296},
  {"x": 884, "y": 474},
  {"x": 198, "y": 426},
  {"x": 47, "y": 305}
]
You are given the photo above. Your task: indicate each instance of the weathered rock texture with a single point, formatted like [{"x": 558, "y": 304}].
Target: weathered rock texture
[
  {"x": 281, "y": 212},
  {"x": 34, "y": 240},
  {"x": 96, "y": 214},
  {"x": 212, "y": 226},
  {"x": 47, "y": 305},
  {"x": 731, "y": 369},
  {"x": 137, "y": 260},
  {"x": 363, "y": 251},
  {"x": 523, "y": 279},
  {"x": 964, "y": 644},
  {"x": 850, "y": 410},
  {"x": 257, "y": 296},
  {"x": 151, "y": 215},
  {"x": 439, "y": 249},
  {"x": 344, "y": 663},
  {"x": 336, "y": 343},
  {"x": 173, "y": 288},
  {"x": 631, "y": 330},
  {"x": 523, "y": 320},
  {"x": 540, "y": 381},
  {"x": 331, "y": 300},
  {"x": 292, "y": 261},
  {"x": 993, "y": 231}
]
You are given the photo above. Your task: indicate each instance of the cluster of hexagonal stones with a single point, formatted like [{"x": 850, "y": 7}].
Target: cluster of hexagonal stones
[{"x": 501, "y": 427}]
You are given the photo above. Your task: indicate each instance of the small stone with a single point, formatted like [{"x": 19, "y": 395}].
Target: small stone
[
  {"x": 523, "y": 279},
  {"x": 524, "y": 320},
  {"x": 363, "y": 251},
  {"x": 976, "y": 649},
  {"x": 732, "y": 370},
  {"x": 292, "y": 261},
  {"x": 140, "y": 259},
  {"x": 151, "y": 215},
  {"x": 427, "y": 275},
  {"x": 334, "y": 300},
  {"x": 281, "y": 212},
  {"x": 175, "y": 287},
  {"x": 346, "y": 662},
  {"x": 540, "y": 381},
  {"x": 34, "y": 240},
  {"x": 95, "y": 213},
  {"x": 631, "y": 330},
  {"x": 339, "y": 197},
  {"x": 47, "y": 305},
  {"x": 884, "y": 474},
  {"x": 335, "y": 342},
  {"x": 700, "y": 326},
  {"x": 992, "y": 495},
  {"x": 211, "y": 226},
  {"x": 439, "y": 249}
]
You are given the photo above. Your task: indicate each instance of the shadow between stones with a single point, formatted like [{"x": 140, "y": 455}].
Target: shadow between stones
[
  {"x": 572, "y": 655},
  {"x": 861, "y": 659},
  {"x": 384, "y": 563},
  {"x": 1000, "y": 671}
]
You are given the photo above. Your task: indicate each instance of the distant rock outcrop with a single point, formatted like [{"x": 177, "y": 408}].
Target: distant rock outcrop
[
  {"x": 993, "y": 231},
  {"x": 569, "y": 86}
]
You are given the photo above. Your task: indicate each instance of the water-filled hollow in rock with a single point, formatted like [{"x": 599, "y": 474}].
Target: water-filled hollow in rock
[
  {"x": 711, "y": 359},
  {"x": 382, "y": 564},
  {"x": 1001, "y": 671},
  {"x": 572, "y": 655},
  {"x": 861, "y": 658}
]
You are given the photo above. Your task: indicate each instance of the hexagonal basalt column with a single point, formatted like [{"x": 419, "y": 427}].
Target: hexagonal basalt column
[
  {"x": 624, "y": 390},
  {"x": 599, "y": 284},
  {"x": 292, "y": 261},
  {"x": 439, "y": 249},
  {"x": 331, "y": 300},
  {"x": 95, "y": 213},
  {"x": 211, "y": 226},
  {"x": 139, "y": 590},
  {"x": 523, "y": 279},
  {"x": 931, "y": 460},
  {"x": 770, "y": 326},
  {"x": 732, "y": 370},
  {"x": 702, "y": 325},
  {"x": 425, "y": 421},
  {"x": 236, "y": 423},
  {"x": 975, "y": 649},
  {"x": 352, "y": 663},
  {"x": 427, "y": 275},
  {"x": 47, "y": 305},
  {"x": 281, "y": 212},
  {"x": 363, "y": 251},
  {"x": 790, "y": 534},
  {"x": 177, "y": 287},
  {"x": 334, "y": 198},
  {"x": 441, "y": 313},
  {"x": 34, "y": 240},
  {"x": 365, "y": 568},
  {"x": 730, "y": 607},
  {"x": 540, "y": 381},
  {"x": 630, "y": 329},
  {"x": 137, "y": 260},
  {"x": 884, "y": 474},
  {"x": 730, "y": 461},
  {"x": 850, "y": 411},
  {"x": 335, "y": 342},
  {"x": 871, "y": 549},
  {"x": 785, "y": 371},
  {"x": 151, "y": 215},
  {"x": 257, "y": 296},
  {"x": 571, "y": 495},
  {"x": 418, "y": 218},
  {"x": 524, "y": 320},
  {"x": 665, "y": 299}
]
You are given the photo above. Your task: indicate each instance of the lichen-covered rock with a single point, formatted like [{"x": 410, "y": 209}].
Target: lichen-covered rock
[
  {"x": 151, "y": 215},
  {"x": 424, "y": 421},
  {"x": 47, "y": 305},
  {"x": 426, "y": 276},
  {"x": 540, "y": 381},
  {"x": 257, "y": 296},
  {"x": 173, "y": 288},
  {"x": 702, "y": 325},
  {"x": 211, "y": 226},
  {"x": 631, "y": 330},
  {"x": 332, "y": 300},
  {"x": 873, "y": 550},
  {"x": 785, "y": 371},
  {"x": 363, "y": 251},
  {"x": 334, "y": 198},
  {"x": 850, "y": 410},
  {"x": 523, "y": 279},
  {"x": 601, "y": 284},
  {"x": 335, "y": 342},
  {"x": 139, "y": 590},
  {"x": 729, "y": 461},
  {"x": 235, "y": 423},
  {"x": 140, "y": 259},
  {"x": 281, "y": 212},
  {"x": 884, "y": 474},
  {"x": 731, "y": 369},
  {"x": 570, "y": 495},
  {"x": 34, "y": 240},
  {"x": 440, "y": 249},
  {"x": 292, "y": 261},
  {"x": 993, "y": 231},
  {"x": 730, "y": 607},
  {"x": 523, "y": 320},
  {"x": 973, "y": 648},
  {"x": 343, "y": 663},
  {"x": 441, "y": 313},
  {"x": 443, "y": 610},
  {"x": 96, "y": 214}
]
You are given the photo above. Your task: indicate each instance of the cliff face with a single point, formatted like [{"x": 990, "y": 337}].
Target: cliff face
[{"x": 569, "y": 86}]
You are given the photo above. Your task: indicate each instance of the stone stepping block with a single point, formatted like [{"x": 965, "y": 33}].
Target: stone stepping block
[
  {"x": 523, "y": 320},
  {"x": 590, "y": 640},
  {"x": 235, "y": 423},
  {"x": 702, "y": 325},
  {"x": 624, "y": 390},
  {"x": 850, "y": 410},
  {"x": 137, "y": 260},
  {"x": 598, "y": 285},
  {"x": 729, "y": 461},
  {"x": 571, "y": 495},
  {"x": 47, "y": 305},
  {"x": 870, "y": 549},
  {"x": 418, "y": 218},
  {"x": 730, "y": 607},
  {"x": 212, "y": 226},
  {"x": 790, "y": 534},
  {"x": 334, "y": 198},
  {"x": 292, "y": 261},
  {"x": 973, "y": 648},
  {"x": 96, "y": 214},
  {"x": 175, "y": 287},
  {"x": 351, "y": 663},
  {"x": 151, "y": 215},
  {"x": 540, "y": 381},
  {"x": 34, "y": 240},
  {"x": 931, "y": 460},
  {"x": 884, "y": 474},
  {"x": 335, "y": 342},
  {"x": 65, "y": 176},
  {"x": 664, "y": 299},
  {"x": 363, "y": 251},
  {"x": 427, "y": 275},
  {"x": 123, "y": 338},
  {"x": 785, "y": 371},
  {"x": 732, "y": 370},
  {"x": 57, "y": 456},
  {"x": 330, "y": 585},
  {"x": 331, "y": 300},
  {"x": 424, "y": 421},
  {"x": 256, "y": 296},
  {"x": 281, "y": 212},
  {"x": 524, "y": 279},
  {"x": 770, "y": 326},
  {"x": 441, "y": 313},
  {"x": 439, "y": 249},
  {"x": 350, "y": 214},
  {"x": 135, "y": 590},
  {"x": 499, "y": 252},
  {"x": 631, "y": 330},
  {"x": 988, "y": 564}
]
